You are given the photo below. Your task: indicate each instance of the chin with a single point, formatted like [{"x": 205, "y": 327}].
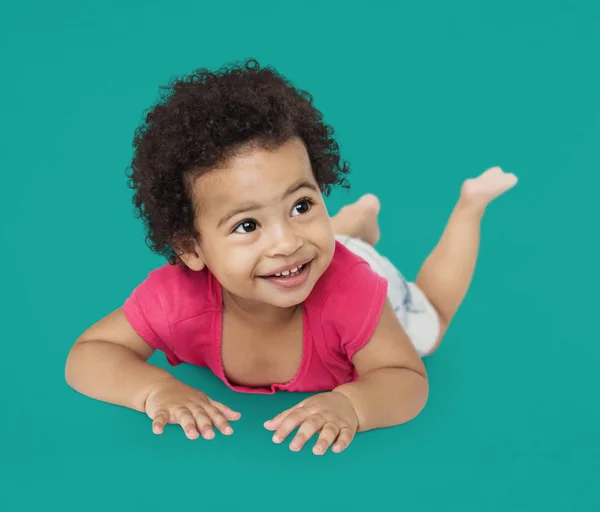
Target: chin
[{"x": 291, "y": 301}]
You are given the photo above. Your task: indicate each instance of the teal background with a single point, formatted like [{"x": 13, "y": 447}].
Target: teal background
[{"x": 422, "y": 95}]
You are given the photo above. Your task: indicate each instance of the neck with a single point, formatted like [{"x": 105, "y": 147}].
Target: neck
[{"x": 256, "y": 313}]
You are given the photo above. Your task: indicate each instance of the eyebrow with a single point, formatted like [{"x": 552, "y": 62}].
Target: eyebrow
[{"x": 245, "y": 207}]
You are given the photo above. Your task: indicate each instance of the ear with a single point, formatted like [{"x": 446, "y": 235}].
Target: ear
[{"x": 191, "y": 254}]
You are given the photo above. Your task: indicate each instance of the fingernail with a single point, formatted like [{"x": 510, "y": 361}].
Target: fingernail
[
  {"x": 228, "y": 431},
  {"x": 276, "y": 439}
]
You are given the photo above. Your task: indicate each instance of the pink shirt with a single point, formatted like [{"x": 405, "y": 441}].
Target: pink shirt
[{"x": 180, "y": 312}]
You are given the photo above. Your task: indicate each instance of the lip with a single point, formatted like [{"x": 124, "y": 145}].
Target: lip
[
  {"x": 291, "y": 282},
  {"x": 288, "y": 267}
]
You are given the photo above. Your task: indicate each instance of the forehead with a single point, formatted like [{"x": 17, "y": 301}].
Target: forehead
[{"x": 257, "y": 175}]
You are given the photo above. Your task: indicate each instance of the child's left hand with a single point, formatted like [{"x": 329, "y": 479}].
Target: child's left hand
[{"x": 330, "y": 413}]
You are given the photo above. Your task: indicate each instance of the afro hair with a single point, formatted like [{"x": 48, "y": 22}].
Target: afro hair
[{"x": 203, "y": 119}]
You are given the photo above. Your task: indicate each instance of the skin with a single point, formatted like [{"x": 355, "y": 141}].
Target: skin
[
  {"x": 109, "y": 360},
  {"x": 270, "y": 236},
  {"x": 282, "y": 229}
]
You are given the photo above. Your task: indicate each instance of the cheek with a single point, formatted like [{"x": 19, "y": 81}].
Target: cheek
[
  {"x": 323, "y": 234},
  {"x": 234, "y": 261}
]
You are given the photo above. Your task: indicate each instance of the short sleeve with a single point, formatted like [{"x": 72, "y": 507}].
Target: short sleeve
[
  {"x": 354, "y": 305},
  {"x": 146, "y": 314}
]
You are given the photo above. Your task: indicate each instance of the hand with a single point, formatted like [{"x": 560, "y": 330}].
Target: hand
[
  {"x": 172, "y": 401},
  {"x": 331, "y": 413}
]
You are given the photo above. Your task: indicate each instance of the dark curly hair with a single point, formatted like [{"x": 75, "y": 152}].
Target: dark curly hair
[{"x": 201, "y": 121}]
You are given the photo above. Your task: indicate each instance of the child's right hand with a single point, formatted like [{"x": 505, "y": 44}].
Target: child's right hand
[{"x": 174, "y": 402}]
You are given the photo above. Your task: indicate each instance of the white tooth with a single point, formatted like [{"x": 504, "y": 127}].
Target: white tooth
[
  {"x": 286, "y": 272},
  {"x": 295, "y": 269},
  {"x": 278, "y": 274}
]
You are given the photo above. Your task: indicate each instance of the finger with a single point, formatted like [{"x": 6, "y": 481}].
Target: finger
[
  {"x": 273, "y": 424},
  {"x": 309, "y": 428},
  {"x": 188, "y": 423},
  {"x": 293, "y": 419},
  {"x": 329, "y": 433},
  {"x": 203, "y": 423},
  {"x": 218, "y": 420},
  {"x": 161, "y": 418},
  {"x": 229, "y": 413},
  {"x": 344, "y": 439}
]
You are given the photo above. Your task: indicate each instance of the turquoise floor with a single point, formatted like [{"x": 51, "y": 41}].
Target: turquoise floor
[{"x": 422, "y": 96}]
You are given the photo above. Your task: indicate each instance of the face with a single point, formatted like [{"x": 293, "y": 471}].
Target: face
[{"x": 261, "y": 215}]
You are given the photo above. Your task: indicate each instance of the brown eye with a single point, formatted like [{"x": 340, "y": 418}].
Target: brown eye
[
  {"x": 303, "y": 206},
  {"x": 246, "y": 226}
]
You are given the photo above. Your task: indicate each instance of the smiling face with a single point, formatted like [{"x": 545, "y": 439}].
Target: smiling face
[{"x": 261, "y": 214}]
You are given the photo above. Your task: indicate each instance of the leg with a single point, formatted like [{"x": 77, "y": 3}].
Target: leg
[
  {"x": 359, "y": 219},
  {"x": 447, "y": 272}
]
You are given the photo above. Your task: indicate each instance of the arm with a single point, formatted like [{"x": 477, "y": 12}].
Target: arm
[
  {"x": 108, "y": 363},
  {"x": 392, "y": 386}
]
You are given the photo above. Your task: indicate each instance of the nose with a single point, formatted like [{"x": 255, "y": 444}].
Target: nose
[{"x": 284, "y": 241}]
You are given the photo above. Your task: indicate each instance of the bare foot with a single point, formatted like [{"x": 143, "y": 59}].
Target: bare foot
[
  {"x": 359, "y": 219},
  {"x": 488, "y": 186}
]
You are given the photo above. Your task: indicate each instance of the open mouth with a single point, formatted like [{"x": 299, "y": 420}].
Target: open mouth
[
  {"x": 290, "y": 278},
  {"x": 290, "y": 273}
]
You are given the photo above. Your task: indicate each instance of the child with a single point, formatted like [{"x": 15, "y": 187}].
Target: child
[{"x": 262, "y": 286}]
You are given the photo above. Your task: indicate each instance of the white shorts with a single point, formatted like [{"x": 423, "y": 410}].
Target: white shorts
[{"x": 414, "y": 310}]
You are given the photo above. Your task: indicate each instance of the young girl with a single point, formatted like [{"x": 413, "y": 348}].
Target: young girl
[{"x": 262, "y": 286}]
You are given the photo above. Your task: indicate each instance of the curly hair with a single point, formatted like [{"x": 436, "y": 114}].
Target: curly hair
[{"x": 202, "y": 120}]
